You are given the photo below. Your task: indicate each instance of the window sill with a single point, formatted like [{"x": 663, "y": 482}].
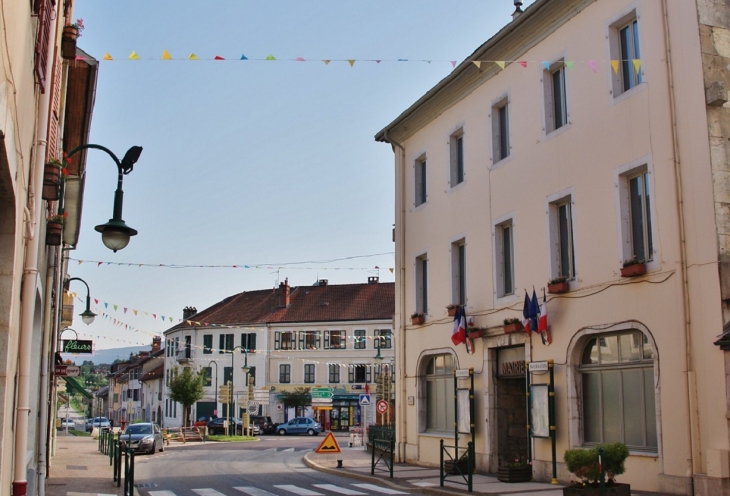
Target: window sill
[
  {"x": 557, "y": 132},
  {"x": 502, "y": 162},
  {"x": 418, "y": 207},
  {"x": 437, "y": 434},
  {"x": 628, "y": 94},
  {"x": 457, "y": 187}
]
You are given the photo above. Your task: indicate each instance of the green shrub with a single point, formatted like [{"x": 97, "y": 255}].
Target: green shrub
[
  {"x": 614, "y": 456},
  {"x": 584, "y": 462}
]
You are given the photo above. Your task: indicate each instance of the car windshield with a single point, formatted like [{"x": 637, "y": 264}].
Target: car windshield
[{"x": 139, "y": 429}]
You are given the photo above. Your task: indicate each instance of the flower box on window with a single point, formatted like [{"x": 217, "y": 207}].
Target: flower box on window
[
  {"x": 476, "y": 332},
  {"x": 633, "y": 268},
  {"x": 558, "y": 285},
  {"x": 418, "y": 318},
  {"x": 51, "y": 180},
  {"x": 451, "y": 309},
  {"x": 54, "y": 232},
  {"x": 512, "y": 325}
]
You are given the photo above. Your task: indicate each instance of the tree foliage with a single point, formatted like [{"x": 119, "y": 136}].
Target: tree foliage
[
  {"x": 584, "y": 462},
  {"x": 186, "y": 388},
  {"x": 300, "y": 397}
]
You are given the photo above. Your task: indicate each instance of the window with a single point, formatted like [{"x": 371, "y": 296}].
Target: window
[
  {"x": 208, "y": 381},
  {"x": 225, "y": 343},
  {"x": 556, "y": 103},
  {"x": 617, "y": 373},
  {"x": 284, "y": 373},
  {"x": 359, "y": 373},
  {"x": 422, "y": 284},
  {"x": 562, "y": 250},
  {"x": 309, "y": 373},
  {"x": 439, "y": 382},
  {"x": 625, "y": 54},
  {"x": 252, "y": 375},
  {"x": 335, "y": 340},
  {"x": 248, "y": 341},
  {"x": 177, "y": 347},
  {"x": 227, "y": 375},
  {"x": 458, "y": 272},
  {"x": 309, "y": 340},
  {"x": 334, "y": 373},
  {"x": 207, "y": 344},
  {"x": 188, "y": 346},
  {"x": 457, "y": 158},
  {"x": 500, "y": 131},
  {"x": 46, "y": 15},
  {"x": 385, "y": 338},
  {"x": 420, "y": 181},
  {"x": 636, "y": 224},
  {"x": 284, "y": 340},
  {"x": 360, "y": 339},
  {"x": 504, "y": 237}
]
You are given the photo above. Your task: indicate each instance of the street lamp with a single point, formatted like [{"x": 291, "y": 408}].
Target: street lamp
[
  {"x": 115, "y": 234},
  {"x": 87, "y": 316},
  {"x": 245, "y": 369},
  {"x": 213, "y": 362}
]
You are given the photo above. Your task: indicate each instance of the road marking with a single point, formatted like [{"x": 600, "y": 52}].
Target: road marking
[
  {"x": 288, "y": 449},
  {"x": 338, "y": 489},
  {"x": 208, "y": 492},
  {"x": 378, "y": 489},
  {"x": 162, "y": 493},
  {"x": 254, "y": 491},
  {"x": 298, "y": 490}
]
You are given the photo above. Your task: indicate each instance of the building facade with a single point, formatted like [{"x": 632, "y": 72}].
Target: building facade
[{"x": 585, "y": 136}]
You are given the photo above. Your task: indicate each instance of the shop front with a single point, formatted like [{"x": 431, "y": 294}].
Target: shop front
[{"x": 343, "y": 413}]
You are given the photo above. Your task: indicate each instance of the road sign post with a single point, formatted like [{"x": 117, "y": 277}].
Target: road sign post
[{"x": 224, "y": 393}]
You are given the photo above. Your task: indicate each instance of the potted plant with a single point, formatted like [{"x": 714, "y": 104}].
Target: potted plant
[
  {"x": 68, "y": 40},
  {"x": 54, "y": 229},
  {"x": 512, "y": 324},
  {"x": 475, "y": 332},
  {"x": 584, "y": 464},
  {"x": 558, "y": 285},
  {"x": 418, "y": 318},
  {"x": 520, "y": 470},
  {"x": 451, "y": 309},
  {"x": 633, "y": 268},
  {"x": 53, "y": 172}
]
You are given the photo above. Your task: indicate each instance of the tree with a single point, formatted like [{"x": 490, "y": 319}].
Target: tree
[
  {"x": 300, "y": 397},
  {"x": 186, "y": 388}
]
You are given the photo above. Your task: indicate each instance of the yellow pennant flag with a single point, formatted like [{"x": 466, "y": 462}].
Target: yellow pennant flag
[
  {"x": 326, "y": 62},
  {"x": 637, "y": 65},
  {"x": 107, "y": 57},
  {"x": 166, "y": 55},
  {"x": 614, "y": 65},
  {"x": 133, "y": 56},
  {"x": 192, "y": 56},
  {"x": 391, "y": 270},
  {"x": 80, "y": 262},
  {"x": 477, "y": 63},
  {"x": 500, "y": 63},
  {"x": 351, "y": 62},
  {"x": 135, "y": 312}
]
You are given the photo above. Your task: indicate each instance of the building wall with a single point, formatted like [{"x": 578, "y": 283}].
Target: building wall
[{"x": 604, "y": 137}]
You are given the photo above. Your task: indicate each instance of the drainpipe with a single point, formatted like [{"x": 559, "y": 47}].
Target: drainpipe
[
  {"x": 403, "y": 401},
  {"x": 690, "y": 385},
  {"x": 30, "y": 280}
]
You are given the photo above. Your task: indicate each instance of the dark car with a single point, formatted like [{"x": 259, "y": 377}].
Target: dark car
[
  {"x": 143, "y": 437},
  {"x": 216, "y": 426},
  {"x": 264, "y": 423},
  {"x": 300, "y": 425}
]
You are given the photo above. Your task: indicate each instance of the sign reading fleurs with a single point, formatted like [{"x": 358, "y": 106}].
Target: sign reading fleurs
[{"x": 78, "y": 346}]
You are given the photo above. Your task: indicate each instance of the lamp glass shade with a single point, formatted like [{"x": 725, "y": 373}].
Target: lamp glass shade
[
  {"x": 87, "y": 316},
  {"x": 115, "y": 234},
  {"x": 246, "y": 369}
]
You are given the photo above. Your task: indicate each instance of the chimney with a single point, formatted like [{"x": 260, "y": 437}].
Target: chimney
[
  {"x": 156, "y": 343},
  {"x": 322, "y": 282},
  {"x": 373, "y": 279},
  {"x": 518, "y": 9},
  {"x": 189, "y": 312},
  {"x": 284, "y": 292}
]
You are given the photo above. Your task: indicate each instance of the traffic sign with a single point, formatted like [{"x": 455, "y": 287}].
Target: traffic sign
[
  {"x": 328, "y": 445},
  {"x": 262, "y": 397},
  {"x": 321, "y": 400},
  {"x": 364, "y": 399},
  {"x": 382, "y": 406},
  {"x": 253, "y": 407},
  {"x": 67, "y": 370},
  {"x": 224, "y": 393},
  {"x": 322, "y": 392}
]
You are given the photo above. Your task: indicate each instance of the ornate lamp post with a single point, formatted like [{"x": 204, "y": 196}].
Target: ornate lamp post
[
  {"x": 213, "y": 362},
  {"x": 87, "y": 316},
  {"x": 245, "y": 371}
]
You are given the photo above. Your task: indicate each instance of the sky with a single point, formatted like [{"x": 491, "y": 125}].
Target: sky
[{"x": 266, "y": 165}]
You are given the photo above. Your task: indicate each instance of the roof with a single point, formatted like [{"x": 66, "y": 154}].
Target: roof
[
  {"x": 155, "y": 373},
  {"x": 327, "y": 303}
]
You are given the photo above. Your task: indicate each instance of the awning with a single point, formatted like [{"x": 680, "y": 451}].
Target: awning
[
  {"x": 75, "y": 385},
  {"x": 318, "y": 407}
]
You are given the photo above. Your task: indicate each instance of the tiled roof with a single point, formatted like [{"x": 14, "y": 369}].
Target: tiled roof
[
  {"x": 155, "y": 373},
  {"x": 330, "y": 303}
]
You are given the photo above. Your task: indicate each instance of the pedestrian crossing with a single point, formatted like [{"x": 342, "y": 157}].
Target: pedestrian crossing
[{"x": 360, "y": 489}]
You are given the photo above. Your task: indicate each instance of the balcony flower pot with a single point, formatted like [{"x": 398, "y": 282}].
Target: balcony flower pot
[
  {"x": 51, "y": 181},
  {"x": 513, "y": 327},
  {"x": 558, "y": 288},
  {"x": 522, "y": 473},
  {"x": 68, "y": 42},
  {"x": 633, "y": 270},
  {"x": 475, "y": 332},
  {"x": 418, "y": 319},
  {"x": 451, "y": 309},
  {"x": 54, "y": 233}
]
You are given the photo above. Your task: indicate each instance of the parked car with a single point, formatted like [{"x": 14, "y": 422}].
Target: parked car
[
  {"x": 202, "y": 421},
  {"x": 264, "y": 423},
  {"x": 143, "y": 437},
  {"x": 300, "y": 425},
  {"x": 215, "y": 426},
  {"x": 68, "y": 423},
  {"x": 98, "y": 422}
]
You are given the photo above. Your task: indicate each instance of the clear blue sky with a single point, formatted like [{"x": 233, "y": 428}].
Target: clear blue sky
[{"x": 252, "y": 162}]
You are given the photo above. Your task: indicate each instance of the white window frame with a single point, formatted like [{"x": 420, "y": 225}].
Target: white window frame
[
  {"x": 622, "y": 175},
  {"x": 496, "y": 121},
  {"x": 456, "y": 137},
  {"x": 613, "y": 48},
  {"x": 554, "y": 202},
  {"x": 550, "y": 127},
  {"x": 420, "y": 282},
  {"x": 458, "y": 273},
  {"x": 499, "y": 258},
  {"x": 420, "y": 177}
]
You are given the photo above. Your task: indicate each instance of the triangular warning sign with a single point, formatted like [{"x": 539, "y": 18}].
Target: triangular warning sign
[{"x": 328, "y": 445}]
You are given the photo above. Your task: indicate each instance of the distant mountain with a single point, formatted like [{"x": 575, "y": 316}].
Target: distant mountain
[{"x": 106, "y": 356}]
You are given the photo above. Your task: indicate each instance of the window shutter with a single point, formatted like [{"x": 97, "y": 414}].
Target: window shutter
[
  {"x": 45, "y": 17},
  {"x": 301, "y": 339},
  {"x": 327, "y": 340},
  {"x": 244, "y": 340},
  {"x": 343, "y": 340},
  {"x": 277, "y": 340},
  {"x": 368, "y": 372},
  {"x": 252, "y": 341},
  {"x": 318, "y": 340},
  {"x": 221, "y": 343},
  {"x": 351, "y": 374}
]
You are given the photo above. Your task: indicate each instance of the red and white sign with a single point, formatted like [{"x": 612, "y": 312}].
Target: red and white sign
[
  {"x": 382, "y": 406},
  {"x": 67, "y": 370}
]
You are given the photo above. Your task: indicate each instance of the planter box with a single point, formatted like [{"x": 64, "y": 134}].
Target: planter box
[
  {"x": 515, "y": 474},
  {"x": 54, "y": 232},
  {"x": 451, "y": 468},
  {"x": 633, "y": 270},
  {"x": 451, "y": 311},
  {"x": 561, "y": 287},
  {"x": 614, "y": 489},
  {"x": 51, "y": 182},
  {"x": 418, "y": 320},
  {"x": 68, "y": 42},
  {"x": 516, "y": 327},
  {"x": 475, "y": 333}
]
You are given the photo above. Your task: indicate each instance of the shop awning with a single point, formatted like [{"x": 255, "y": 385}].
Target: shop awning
[
  {"x": 319, "y": 407},
  {"x": 75, "y": 385}
]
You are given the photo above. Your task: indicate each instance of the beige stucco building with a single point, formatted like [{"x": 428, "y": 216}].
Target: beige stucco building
[{"x": 584, "y": 134}]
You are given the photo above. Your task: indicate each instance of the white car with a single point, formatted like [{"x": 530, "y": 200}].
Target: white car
[{"x": 68, "y": 424}]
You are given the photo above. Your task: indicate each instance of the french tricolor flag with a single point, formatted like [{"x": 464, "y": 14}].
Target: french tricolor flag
[
  {"x": 458, "y": 333},
  {"x": 542, "y": 326},
  {"x": 526, "y": 314}
]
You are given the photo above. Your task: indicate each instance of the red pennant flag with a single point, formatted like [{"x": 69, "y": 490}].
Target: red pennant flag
[
  {"x": 98, "y": 264},
  {"x": 523, "y": 63},
  {"x": 218, "y": 57}
]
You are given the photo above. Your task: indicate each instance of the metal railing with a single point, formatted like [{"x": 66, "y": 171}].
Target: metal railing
[
  {"x": 380, "y": 432},
  {"x": 457, "y": 464},
  {"x": 385, "y": 447},
  {"x": 117, "y": 450}
]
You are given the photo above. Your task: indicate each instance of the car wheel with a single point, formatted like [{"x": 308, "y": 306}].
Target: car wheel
[
  {"x": 310, "y": 432},
  {"x": 162, "y": 447},
  {"x": 282, "y": 432},
  {"x": 154, "y": 448}
]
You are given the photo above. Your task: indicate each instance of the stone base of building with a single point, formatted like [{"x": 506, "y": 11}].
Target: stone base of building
[{"x": 711, "y": 486}]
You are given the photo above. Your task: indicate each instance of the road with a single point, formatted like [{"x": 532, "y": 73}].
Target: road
[{"x": 271, "y": 466}]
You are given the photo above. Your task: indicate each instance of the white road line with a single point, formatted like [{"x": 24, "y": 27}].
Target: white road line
[
  {"x": 338, "y": 489},
  {"x": 208, "y": 492},
  {"x": 254, "y": 491},
  {"x": 288, "y": 449},
  {"x": 378, "y": 489},
  {"x": 162, "y": 493},
  {"x": 298, "y": 490}
]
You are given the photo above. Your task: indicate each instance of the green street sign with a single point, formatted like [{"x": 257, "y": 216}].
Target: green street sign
[{"x": 323, "y": 392}]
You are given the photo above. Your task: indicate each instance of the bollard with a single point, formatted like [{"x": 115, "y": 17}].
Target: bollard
[
  {"x": 339, "y": 463},
  {"x": 441, "y": 462}
]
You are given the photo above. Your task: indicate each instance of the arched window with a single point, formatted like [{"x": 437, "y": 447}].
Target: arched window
[
  {"x": 618, "y": 390},
  {"x": 439, "y": 379}
]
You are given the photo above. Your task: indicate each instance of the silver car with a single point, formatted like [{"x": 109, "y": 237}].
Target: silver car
[{"x": 143, "y": 437}]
